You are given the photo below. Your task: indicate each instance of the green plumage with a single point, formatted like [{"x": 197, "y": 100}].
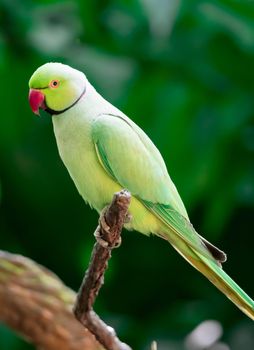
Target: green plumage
[{"x": 104, "y": 151}]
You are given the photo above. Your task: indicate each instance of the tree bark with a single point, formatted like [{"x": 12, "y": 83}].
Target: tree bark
[
  {"x": 108, "y": 236},
  {"x": 37, "y": 305}
]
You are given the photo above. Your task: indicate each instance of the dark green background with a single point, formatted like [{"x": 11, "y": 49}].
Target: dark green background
[{"x": 184, "y": 71}]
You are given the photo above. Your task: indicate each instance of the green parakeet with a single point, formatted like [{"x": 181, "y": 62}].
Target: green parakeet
[{"x": 105, "y": 151}]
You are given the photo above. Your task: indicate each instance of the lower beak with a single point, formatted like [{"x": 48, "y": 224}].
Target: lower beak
[{"x": 36, "y": 100}]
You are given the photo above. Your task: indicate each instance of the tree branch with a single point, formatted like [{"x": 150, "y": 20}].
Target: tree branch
[
  {"x": 109, "y": 231},
  {"x": 36, "y": 304}
]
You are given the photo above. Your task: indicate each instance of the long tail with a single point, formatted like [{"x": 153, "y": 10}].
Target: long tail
[{"x": 211, "y": 269}]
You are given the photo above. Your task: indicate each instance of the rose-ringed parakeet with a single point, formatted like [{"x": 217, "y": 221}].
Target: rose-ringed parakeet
[{"x": 105, "y": 151}]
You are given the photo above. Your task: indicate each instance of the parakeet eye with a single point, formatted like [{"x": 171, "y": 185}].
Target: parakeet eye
[{"x": 54, "y": 84}]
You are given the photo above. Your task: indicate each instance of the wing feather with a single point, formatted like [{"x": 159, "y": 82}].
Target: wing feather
[
  {"x": 128, "y": 156},
  {"x": 122, "y": 150}
]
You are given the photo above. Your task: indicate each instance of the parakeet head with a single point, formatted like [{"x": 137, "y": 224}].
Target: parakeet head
[{"x": 55, "y": 87}]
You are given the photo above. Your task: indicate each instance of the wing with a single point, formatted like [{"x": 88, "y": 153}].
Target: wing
[{"x": 131, "y": 158}]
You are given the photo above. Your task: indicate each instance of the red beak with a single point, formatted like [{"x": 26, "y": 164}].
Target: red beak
[{"x": 36, "y": 100}]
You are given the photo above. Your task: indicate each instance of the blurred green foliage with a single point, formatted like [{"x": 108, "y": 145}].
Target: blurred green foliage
[{"x": 184, "y": 72}]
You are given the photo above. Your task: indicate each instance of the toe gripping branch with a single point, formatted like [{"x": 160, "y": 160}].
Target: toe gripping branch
[
  {"x": 112, "y": 219},
  {"x": 108, "y": 236},
  {"x": 102, "y": 233}
]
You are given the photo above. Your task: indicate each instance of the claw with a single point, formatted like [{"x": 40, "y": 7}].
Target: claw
[
  {"x": 128, "y": 218},
  {"x": 118, "y": 242}
]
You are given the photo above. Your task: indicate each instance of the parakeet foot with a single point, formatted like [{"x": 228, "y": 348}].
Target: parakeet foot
[
  {"x": 98, "y": 236},
  {"x": 103, "y": 242}
]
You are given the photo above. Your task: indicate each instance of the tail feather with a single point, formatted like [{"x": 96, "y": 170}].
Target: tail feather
[
  {"x": 225, "y": 284},
  {"x": 210, "y": 269},
  {"x": 218, "y": 254}
]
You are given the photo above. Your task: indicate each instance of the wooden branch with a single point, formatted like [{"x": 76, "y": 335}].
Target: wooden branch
[
  {"x": 109, "y": 231},
  {"x": 36, "y": 304}
]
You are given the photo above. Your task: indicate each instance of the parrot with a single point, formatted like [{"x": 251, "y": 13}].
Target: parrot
[{"x": 104, "y": 151}]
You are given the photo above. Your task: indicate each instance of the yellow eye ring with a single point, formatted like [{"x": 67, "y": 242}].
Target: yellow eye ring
[{"x": 54, "y": 84}]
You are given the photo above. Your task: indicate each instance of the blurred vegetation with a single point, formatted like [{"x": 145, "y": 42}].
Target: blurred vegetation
[{"x": 184, "y": 71}]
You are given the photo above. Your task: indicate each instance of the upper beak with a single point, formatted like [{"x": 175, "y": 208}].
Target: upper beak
[{"x": 36, "y": 100}]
